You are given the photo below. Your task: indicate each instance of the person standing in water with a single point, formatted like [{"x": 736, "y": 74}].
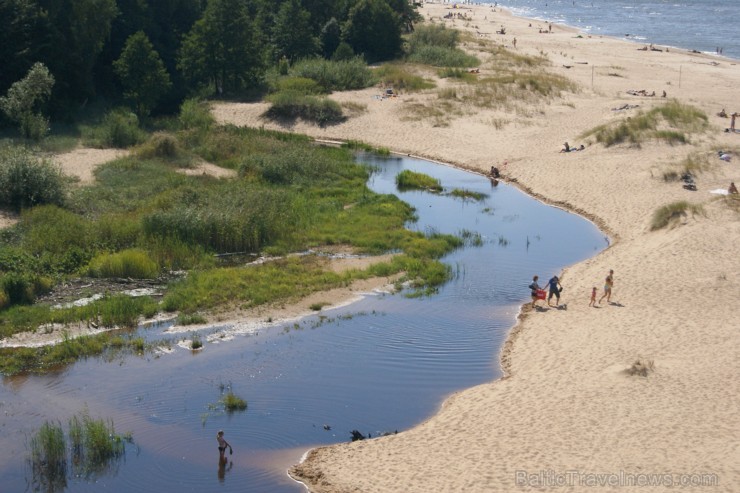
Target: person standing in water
[{"x": 222, "y": 444}]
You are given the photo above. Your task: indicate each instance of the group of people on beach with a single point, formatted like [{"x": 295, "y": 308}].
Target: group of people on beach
[{"x": 555, "y": 288}]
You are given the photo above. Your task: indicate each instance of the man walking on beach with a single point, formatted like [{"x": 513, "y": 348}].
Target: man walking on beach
[
  {"x": 608, "y": 284},
  {"x": 555, "y": 289}
]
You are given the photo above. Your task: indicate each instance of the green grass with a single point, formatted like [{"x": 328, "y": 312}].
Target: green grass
[
  {"x": 233, "y": 403},
  {"x": 335, "y": 75},
  {"x": 291, "y": 105},
  {"x": 401, "y": 78},
  {"x": 94, "y": 446},
  {"x": 48, "y": 459},
  {"x": 411, "y": 180},
  {"x": 671, "y": 213},
  {"x": 141, "y": 217},
  {"x": 468, "y": 194},
  {"x": 681, "y": 120}
]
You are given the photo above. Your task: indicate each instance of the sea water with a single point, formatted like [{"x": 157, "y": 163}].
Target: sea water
[{"x": 702, "y": 25}]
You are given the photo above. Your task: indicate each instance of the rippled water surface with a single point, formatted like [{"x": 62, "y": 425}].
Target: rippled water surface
[{"x": 379, "y": 365}]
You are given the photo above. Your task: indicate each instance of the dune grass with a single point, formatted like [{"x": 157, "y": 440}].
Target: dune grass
[
  {"x": 672, "y": 122},
  {"x": 671, "y": 213}
]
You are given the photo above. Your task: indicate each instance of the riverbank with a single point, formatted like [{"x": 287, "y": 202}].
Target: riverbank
[{"x": 567, "y": 403}]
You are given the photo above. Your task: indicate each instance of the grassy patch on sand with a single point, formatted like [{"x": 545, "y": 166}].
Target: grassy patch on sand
[
  {"x": 672, "y": 122},
  {"x": 671, "y": 213}
]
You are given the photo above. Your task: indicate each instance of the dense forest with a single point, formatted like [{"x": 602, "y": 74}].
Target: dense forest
[{"x": 152, "y": 54}]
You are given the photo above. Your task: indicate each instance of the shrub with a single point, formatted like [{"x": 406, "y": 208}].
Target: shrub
[
  {"x": 300, "y": 85},
  {"x": 23, "y": 288},
  {"x": 292, "y": 105},
  {"x": 132, "y": 263},
  {"x": 160, "y": 145},
  {"x": 439, "y": 56},
  {"x": 195, "y": 114},
  {"x": 399, "y": 77},
  {"x": 119, "y": 128},
  {"x": 26, "y": 181},
  {"x": 335, "y": 75},
  {"x": 433, "y": 35}
]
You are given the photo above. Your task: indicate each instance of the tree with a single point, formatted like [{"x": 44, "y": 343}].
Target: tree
[
  {"x": 22, "y": 33},
  {"x": 142, "y": 74},
  {"x": 330, "y": 37},
  {"x": 24, "y": 99},
  {"x": 373, "y": 29},
  {"x": 78, "y": 30},
  {"x": 221, "y": 48},
  {"x": 291, "y": 34}
]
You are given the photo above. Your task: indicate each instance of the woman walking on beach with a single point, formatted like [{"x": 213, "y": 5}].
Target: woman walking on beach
[
  {"x": 534, "y": 287},
  {"x": 608, "y": 284}
]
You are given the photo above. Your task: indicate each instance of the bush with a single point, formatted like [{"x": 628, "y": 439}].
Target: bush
[
  {"x": 195, "y": 114},
  {"x": 132, "y": 263},
  {"x": 301, "y": 85},
  {"x": 433, "y": 35},
  {"x": 339, "y": 75},
  {"x": 439, "y": 56},
  {"x": 160, "y": 145},
  {"x": 26, "y": 180},
  {"x": 398, "y": 77},
  {"x": 292, "y": 105},
  {"x": 119, "y": 128},
  {"x": 23, "y": 288}
]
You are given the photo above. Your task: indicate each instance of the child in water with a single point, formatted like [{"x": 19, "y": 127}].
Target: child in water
[
  {"x": 593, "y": 297},
  {"x": 222, "y": 444}
]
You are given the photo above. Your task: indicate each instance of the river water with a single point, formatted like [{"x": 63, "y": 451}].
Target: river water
[{"x": 381, "y": 364}]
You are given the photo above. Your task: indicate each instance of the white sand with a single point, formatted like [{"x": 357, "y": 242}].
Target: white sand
[{"x": 566, "y": 404}]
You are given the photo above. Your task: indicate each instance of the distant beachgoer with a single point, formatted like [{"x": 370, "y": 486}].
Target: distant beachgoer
[
  {"x": 722, "y": 114},
  {"x": 732, "y": 122},
  {"x": 665, "y": 94},
  {"x": 593, "y": 297},
  {"x": 222, "y": 444},
  {"x": 733, "y": 188},
  {"x": 566, "y": 148},
  {"x": 608, "y": 285},
  {"x": 495, "y": 172},
  {"x": 555, "y": 289},
  {"x": 534, "y": 287},
  {"x": 513, "y": 42}
]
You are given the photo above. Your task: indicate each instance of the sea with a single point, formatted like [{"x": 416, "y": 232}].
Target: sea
[{"x": 702, "y": 25}]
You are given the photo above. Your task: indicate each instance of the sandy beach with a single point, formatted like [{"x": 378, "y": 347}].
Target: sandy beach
[{"x": 566, "y": 410}]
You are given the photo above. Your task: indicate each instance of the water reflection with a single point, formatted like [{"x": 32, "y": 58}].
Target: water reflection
[{"x": 382, "y": 364}]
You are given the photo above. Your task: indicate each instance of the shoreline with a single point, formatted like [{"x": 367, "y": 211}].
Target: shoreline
[{"x": 479, "y": 438}]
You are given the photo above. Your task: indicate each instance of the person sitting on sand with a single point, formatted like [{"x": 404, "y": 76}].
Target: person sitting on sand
[
  {"x": 566, "y": 148},
  {"x": 722, "y": 113},
  {"x": 732, "y": 189}
]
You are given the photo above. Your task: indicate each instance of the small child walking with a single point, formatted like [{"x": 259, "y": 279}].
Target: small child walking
[{"x": 593, "y": 297}]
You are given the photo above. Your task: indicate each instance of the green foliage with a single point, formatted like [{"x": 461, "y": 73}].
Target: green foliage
[
  {"x": 26, "y": 181},
  {"x": 51, "y": 230},
  {"x": 22, "y": 288},
  {"x": 24, "y": 98},
  {"x": 343, "y": 52},
  {"x": 292, "y": 105},
  {"x": 467, "y": 194},
  {"x": 373, "y": 30},
  {"x": 48, "y": 458},
  {"x": 95, "y": 444},
  {"x": 292, "y": 35},
  {"x": 133, "y": 263},
  {"x": 335, "y": 75},
  {"x": 409, "y": 180},
  {"x": 669, "y": 214},
  {"x": 191, "y": 319},
  {"x": 222, "y": 48},
  {"x": 400, "y": 78},
  {"x": 433, "y": 35},
  {"x": 142, "y": 73},
  {"x": 301, "y": 85},
  {"x": 330, "y": 37},
  {"x": 680, "y": 117},
  {"x": 437, "y": 46},
  {"x": 119, "y": 128},
  {"x": 232, "y": 402},
  {"x": 195, "y": 114},
  {"x": 161, "y": 145}
]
